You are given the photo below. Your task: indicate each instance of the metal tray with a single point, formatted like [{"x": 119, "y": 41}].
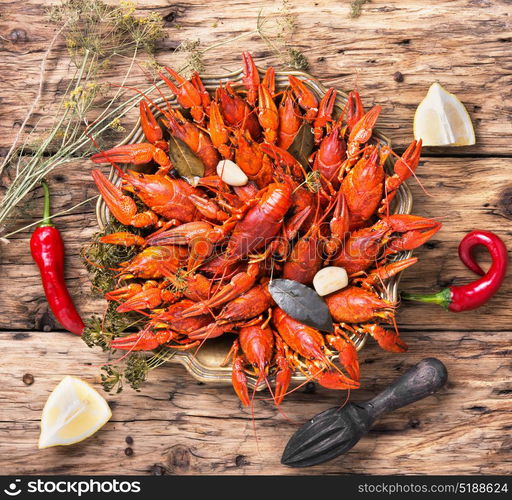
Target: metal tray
[{"x": 204, "y": 365}]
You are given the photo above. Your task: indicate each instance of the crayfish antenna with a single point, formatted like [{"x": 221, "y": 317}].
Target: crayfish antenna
[
  {"x": 278, "y": 407},
  {"x": 263, "y": 399},
  {"x": 309, "y": 378},
  {"x": 253, "y": 418},
  {"x": 146, "y": 96},
  {"x": 347, "y": 398}
]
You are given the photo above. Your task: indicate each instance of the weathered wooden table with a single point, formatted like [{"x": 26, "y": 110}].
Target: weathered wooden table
[{"x": 181, "y": 427}]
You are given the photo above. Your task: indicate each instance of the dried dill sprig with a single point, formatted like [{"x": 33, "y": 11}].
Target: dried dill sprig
[
  {"x": 312, "y": 181},
  {"x": 101, "y": 259},
  {"x": 104, "y": 30},
  {"x": 287, "y": 18},
  {"x": 178, "y": 282},
  {"x": 116, "y": 125},
  {"x": 111, "y": 379},
  {"x": 139, "y": 365},
  {"x": 194, "y": 56},
  {"x": 134, "y": 370},
  {"x": 100, "y": 331},
  {"x": 297, "y": 60},
  {"x": 277, "y": 32},
  {"x": 118, "y": 323},
  {"x": 356, "y": 8},
  {"x": 93, "y": 334}
]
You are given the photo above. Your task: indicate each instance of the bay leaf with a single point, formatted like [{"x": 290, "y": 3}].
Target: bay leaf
[
  {"x": 302, "y": 303},
  {"x": 303, "y": 144},
  {"x": 184, "y": 160}
]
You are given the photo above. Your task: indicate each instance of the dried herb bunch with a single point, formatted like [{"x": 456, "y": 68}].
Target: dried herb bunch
[
  {"x": 104, "y": 30},
  {"x": 96, "y": 34},
  {"x": 134, "y": 371},
  {"x": 131, "y": 369},
  {"x": 101, "y": 259}
]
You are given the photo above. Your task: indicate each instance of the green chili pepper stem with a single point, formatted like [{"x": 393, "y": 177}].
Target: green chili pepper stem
[
  {"x": 442, "y": 298},
  {"x": 46, "y": 213}
]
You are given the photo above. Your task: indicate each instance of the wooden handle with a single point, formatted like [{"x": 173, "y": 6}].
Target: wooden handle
[{"x": 423, "y": 379}]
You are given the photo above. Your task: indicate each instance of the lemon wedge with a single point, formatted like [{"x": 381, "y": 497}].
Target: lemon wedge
[
  {"x": 442, "y": 120},
  {"x": 74, "y": 411}
]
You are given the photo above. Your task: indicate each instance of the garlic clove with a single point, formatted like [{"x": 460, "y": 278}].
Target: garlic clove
[
  {"x": 231, "y": 173},
  {"x": 329, "y": 280}
]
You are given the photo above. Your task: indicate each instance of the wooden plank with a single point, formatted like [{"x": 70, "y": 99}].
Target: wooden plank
[
  {"x": 461, "y": 207},
  {"x": 465, "y": 48},
  {"x": 180, "y": 427}
]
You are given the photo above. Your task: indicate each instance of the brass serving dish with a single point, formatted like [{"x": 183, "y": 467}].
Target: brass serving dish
[{"x": 204, "y": 365}]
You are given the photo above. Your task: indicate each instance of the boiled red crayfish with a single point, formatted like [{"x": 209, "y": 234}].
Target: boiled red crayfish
[{"x": 207, "y": 250}]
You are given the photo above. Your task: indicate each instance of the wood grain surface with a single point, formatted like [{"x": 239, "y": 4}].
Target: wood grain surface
[{"x": 181, "y": 427}]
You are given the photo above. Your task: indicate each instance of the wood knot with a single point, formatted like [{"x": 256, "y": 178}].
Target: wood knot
[
  {"x": 178, "y": 460},
  {"x": 44, "y": 321},
  {"x": 171, "y": 17},
  {"x": 445, "y": 283},
  {"x": 398, "y": 77},
  {"x": 414, "y": 423},
  {"x": 310, "y": 388},
  {"x": 430, "y": 245},
  {"x": 174, "y": 14},
  {"x": 479, "y": 409},
  {"x": 505, "y": 203},
  {"x": 28, "y": 379},
  {"x": 21, "y": 336},
  {"x": 18, "y": 36},
  {"x": 157, "y": 470},
  {"x": 241, "y": 461},
  {"x": 502, "y": 392}
]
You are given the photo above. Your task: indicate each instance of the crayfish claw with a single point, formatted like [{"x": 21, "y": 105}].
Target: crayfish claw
[
  {"x": 239, "y": 381},
  {"x": 123, "y": 238},
  {"x": 306, "y": 98},
  {"x": 251, "y": 78},
  {"x": 122, "y": 207},
  {"x": 389, "y": 340},
  {"x": 333, "y": 379},
  {"x": 144, "y": 340}
]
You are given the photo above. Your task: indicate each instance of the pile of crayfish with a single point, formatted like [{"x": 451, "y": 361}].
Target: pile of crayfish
[{"x": 211, "y": 248}]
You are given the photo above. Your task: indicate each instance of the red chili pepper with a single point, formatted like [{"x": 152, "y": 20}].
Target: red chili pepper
[
  {"x": 47, "y": 250},
  {"x": 476, "y": 293}
]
